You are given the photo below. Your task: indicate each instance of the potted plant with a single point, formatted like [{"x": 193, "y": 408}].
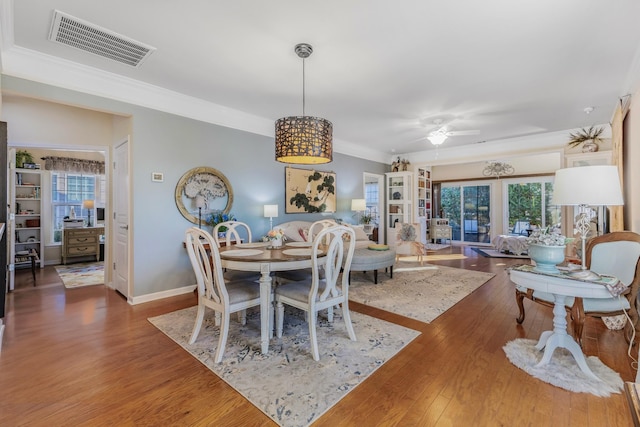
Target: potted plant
[
  {"x": 216, "y": 218},
  {"x": 22, "y": 157},
  {"x": 547, "y": 249},
  {"x": 589, "y": 138},
  {"x": 367, "y": 219}
]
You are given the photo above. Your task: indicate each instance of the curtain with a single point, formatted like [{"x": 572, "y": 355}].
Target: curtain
[
  {"x": 616, "y": 218},
  {"x": 69, "y": 164}
]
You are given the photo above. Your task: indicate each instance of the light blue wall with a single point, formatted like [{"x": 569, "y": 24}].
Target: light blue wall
[{"x": 162, "y": 142}]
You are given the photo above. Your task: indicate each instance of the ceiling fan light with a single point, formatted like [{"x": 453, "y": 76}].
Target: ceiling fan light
[{"x": 437, "y": 138}]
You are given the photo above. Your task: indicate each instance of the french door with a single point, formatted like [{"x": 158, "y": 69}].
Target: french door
[{"x": 468, "y": 208}]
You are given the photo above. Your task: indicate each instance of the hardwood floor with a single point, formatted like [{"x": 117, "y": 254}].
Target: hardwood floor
[{"x": 85, "y": 357}]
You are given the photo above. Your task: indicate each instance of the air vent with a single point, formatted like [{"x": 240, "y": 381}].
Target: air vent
[{"x": 74, "y": 32}]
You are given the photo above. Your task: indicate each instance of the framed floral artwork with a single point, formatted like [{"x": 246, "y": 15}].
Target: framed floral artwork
[
  {"x": 204, "y": 185},
  {"x": 309, "y": 191}
]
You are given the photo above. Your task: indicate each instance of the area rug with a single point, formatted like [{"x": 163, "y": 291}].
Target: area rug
[
  {"x": 81, "y": 274},
  {"x": 421, "y": 292},
  {"x": 563, "y": 371},
  {"x": 287, "y": 384},
  {"x": 436, "y": 246},
  {"x": 492, "y": 253}
]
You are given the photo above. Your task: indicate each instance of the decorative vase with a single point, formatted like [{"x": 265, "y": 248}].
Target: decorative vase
[
  {"x": 277, "y": 242},
  {"x": 222, "y": 234},
  {"x": 589, "y": 147},
  {"x": 546, "y": 257}
]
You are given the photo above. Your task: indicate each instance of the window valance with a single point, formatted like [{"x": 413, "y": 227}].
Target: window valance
[{"x": 69, "y": 164}]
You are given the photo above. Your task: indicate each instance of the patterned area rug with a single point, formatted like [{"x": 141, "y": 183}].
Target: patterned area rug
[
  {"x": 81, "y": 274},
  {"x": 436, "y": 246},
  {"x": 279, "y": 383},
  {"x": 420, "y": 292},
  {"x": 563, "y": 371}
]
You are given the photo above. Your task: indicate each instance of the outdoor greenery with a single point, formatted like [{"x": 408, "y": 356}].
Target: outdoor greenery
[{"x": 525, "y": 204}]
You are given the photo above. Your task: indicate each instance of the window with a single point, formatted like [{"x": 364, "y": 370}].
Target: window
[
  {"x": 68, "y": 190},
  {"x": 372, "y": 199},
  {"x": 529, "y": 206}
]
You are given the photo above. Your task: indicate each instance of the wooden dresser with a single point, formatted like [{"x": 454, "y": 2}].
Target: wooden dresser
[
  {"x": 440, "y": 229},
  {"x": 81, "y": 242}
]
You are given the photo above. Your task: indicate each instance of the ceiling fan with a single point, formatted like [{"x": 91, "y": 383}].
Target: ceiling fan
[{"x": 441, "y": 133}]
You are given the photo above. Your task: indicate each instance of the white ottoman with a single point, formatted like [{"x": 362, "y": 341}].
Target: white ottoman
[{"x": 365, "y": 259}]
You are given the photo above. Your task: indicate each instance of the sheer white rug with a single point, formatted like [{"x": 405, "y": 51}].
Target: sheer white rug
[
  {"x": 287, "y": 384},
  {"x": 563, "y": 371},
  {"x": 420, "y": 292}
]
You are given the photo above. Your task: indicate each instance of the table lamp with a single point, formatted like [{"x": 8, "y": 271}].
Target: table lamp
[
  {"x": 583, "y": 187},
  {"x": 270, "y": 211},
  {"x": 358, "y": 205},
  {"x": 200, "y": 203},
  {"x": 89, "y": 205}
]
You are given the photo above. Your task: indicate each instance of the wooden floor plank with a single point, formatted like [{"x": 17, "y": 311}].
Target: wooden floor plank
[{"x": 86, "y": 357}]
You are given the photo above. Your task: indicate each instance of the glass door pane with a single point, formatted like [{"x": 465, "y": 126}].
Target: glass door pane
[
  {"x": 477, "y": 213},
  {"x": 468, "y": 209},
  {"x": 450, "y": 202},
  {"x": 529, "y": 206}
]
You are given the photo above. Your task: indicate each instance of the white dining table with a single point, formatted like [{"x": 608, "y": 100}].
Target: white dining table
[{"x": 259, "y": 258}]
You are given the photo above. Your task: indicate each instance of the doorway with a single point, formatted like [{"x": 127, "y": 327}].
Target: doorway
[
  {"x": 468, "y": 208},
  {"x": 373, "y": 194}
]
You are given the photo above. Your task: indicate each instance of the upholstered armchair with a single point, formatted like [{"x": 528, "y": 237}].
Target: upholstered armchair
[
  {"x": 616, "y": 254},
  {"x": 408, "y": 242}
]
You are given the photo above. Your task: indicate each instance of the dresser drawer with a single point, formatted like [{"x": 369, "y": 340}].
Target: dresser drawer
[
  {"x": 81, "y": 250},
  {"x": 82, "y": 240}
]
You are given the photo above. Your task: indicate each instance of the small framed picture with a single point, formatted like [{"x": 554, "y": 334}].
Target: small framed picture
[{"x": 157, "y": 176}]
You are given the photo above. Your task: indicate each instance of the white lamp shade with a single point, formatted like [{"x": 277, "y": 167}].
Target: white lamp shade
[
  {"x": 587, "y": 185},
  {"x": 87, "y": 204},
  {"x": 358, "y": 204},
  {"x": 270, "y": 211}
]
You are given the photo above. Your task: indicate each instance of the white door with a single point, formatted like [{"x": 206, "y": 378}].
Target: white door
[{"x": 121, "y": 219}]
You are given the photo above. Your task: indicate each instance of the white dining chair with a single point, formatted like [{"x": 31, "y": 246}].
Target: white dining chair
[
  {"x": 235, "y": 232},
  {"x": 319, "y": 293},
  {"x": 214, "y": 292}
]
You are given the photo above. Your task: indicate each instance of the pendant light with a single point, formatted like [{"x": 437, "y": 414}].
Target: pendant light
[{"x": 304, "y": 139}]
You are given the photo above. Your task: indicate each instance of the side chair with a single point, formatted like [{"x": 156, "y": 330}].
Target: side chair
[
  {"x": 318, "y": 293},
  {"x": 213, "y": 291},
  {"x": 616, "y": 254},
  {"x": 236, "y": 233}
]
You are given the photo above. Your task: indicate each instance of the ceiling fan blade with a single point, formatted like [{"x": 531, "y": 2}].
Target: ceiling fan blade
[{"x": 462, "y": 132}]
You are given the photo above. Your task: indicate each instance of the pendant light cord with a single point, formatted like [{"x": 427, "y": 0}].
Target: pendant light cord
[{"x": 303, "y": 89}]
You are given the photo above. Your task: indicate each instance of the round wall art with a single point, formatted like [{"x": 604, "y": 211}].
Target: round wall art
[{"x": 207, "y": 187}]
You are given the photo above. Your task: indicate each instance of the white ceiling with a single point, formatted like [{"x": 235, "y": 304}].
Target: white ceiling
[{"x": 381, "y": 71}]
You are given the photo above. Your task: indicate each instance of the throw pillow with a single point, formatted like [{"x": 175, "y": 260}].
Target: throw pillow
[{"x": 304, "y": 233}]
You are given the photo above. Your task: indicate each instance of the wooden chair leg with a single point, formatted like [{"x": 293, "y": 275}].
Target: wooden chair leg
[
  {"x": 520, "y": 301},
  {"x": 577, "y": 320}
]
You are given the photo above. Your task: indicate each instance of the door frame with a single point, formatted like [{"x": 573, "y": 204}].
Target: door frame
[
  {"x": 368, "y": 177},
  {"x": 105, "y": 150}
]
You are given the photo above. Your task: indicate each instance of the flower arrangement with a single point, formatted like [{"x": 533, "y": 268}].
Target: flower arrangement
[
  {"x": 275, "y": 234},
  {"x": 217, "y": 217},
  {"x": 546, "y": 237}
]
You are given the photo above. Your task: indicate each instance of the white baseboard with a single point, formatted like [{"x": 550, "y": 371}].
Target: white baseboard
[{"x": 161, "y": 295}]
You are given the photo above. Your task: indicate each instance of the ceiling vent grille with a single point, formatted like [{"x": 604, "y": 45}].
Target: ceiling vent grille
[{"x": 74, "y": 32}]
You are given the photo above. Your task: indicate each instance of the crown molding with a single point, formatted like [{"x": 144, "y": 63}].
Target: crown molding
[{"x": 35, "y": 66}]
